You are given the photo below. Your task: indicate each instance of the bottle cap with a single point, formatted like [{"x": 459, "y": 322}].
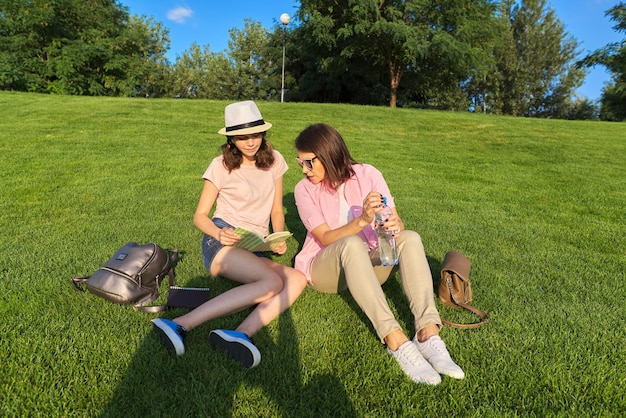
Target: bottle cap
[{"x": 384, "y": 200}]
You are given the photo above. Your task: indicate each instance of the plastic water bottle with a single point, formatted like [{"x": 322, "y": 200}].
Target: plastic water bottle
[{"x": 386, "y": 240}]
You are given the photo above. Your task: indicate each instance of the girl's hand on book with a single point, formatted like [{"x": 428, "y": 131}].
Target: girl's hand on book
[
  {"x": 228, "y": 236},
  {"x": 280, "y": 248}
]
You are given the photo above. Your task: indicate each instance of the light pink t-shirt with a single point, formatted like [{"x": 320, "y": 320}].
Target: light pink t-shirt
[
  {"x": 245, "y": 195},
  {"x": 317, "y": 205}
]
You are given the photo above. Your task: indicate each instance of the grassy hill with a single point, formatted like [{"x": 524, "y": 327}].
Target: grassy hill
[{"x": 538, "y": 206}]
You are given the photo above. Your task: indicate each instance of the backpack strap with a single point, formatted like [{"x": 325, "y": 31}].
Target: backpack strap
[
  {"x": 78, "y": 282},
  {"x": 171, "y": 273}
]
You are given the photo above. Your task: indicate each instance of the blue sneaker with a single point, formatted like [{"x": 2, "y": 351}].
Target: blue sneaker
[
  {"x": 172, "y": 334},
  {"x": 237, "y": 345}
]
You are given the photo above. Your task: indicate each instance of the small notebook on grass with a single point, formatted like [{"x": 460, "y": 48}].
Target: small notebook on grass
[
  {"x": 187, "y": 297},
  {"x": 254, "y": 242}
]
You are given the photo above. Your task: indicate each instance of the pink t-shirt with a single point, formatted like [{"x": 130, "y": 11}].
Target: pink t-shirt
[
  {"x": 246, "y": 194},
  {"x": 318, "y": 205}
]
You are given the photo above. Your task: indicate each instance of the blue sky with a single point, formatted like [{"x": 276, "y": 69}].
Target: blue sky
[{"x": 207, "y": 22}]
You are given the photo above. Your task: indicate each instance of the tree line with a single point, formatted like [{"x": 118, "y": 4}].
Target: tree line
[{"x": 499, "y": 57}]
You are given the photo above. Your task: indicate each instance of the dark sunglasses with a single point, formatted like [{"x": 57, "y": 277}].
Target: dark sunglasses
[{"x": 308, "y": 163}]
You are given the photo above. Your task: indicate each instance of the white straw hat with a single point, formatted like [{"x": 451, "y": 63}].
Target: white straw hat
[{"x": 243, "y": 118}]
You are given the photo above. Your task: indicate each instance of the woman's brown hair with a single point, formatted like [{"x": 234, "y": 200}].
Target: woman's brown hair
[
  {"x": 330, "y": 149},
  {"x": 264, "y": 157}
]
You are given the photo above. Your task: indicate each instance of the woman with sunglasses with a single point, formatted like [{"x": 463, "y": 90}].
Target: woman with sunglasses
[
  {"x": 337, "y": 203},
  {"x": 246, "y": 184}
]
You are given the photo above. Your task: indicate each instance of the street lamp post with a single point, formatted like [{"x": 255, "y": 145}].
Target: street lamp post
[{"x": 284, "y": 19}]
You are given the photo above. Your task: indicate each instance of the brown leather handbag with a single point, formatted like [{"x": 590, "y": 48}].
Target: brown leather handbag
[{"x": 455, "y": 288}]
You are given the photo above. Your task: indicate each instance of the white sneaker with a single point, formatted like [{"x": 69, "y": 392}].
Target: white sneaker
[
  {"x": 414, "y": 365},
  {"x": 435, "y": 352}
]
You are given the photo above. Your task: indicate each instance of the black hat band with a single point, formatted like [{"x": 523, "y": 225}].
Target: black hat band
[{"x": 245, "y": 125}]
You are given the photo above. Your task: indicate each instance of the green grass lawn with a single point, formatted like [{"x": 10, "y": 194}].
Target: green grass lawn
[{"x": 538, "y": 206}]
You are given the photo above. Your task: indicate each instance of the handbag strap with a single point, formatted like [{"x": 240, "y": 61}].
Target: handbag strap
[
  {"x": 484, "y": 318},
  {"x": 456, "y": 263}
]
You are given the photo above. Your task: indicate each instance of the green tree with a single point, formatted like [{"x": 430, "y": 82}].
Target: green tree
[
  {"x": 583, "y": 109},
  {"x": 452, "y": 73},
  {"x": 319, "y": 74},
  {"x": 26, "y": 29},
  {"x": 84, "y": 47},
  {"x": 138, "y": 66},
  {"x": 248, "y": 70},
  {"x": 482, "y": 86},
  {"x": 536, "y": 71},
  {"x": 253, "y": 62},
  {"x": 431, "y": 42},
  {"x": 201, "y": 74},
  {"x": 613, "y": 57}
]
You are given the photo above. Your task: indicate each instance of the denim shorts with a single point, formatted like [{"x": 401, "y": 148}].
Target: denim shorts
[{"x": 211, "y": 246}]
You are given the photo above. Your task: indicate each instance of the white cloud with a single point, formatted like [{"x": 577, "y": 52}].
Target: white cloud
[{"x": 180, "y": 14}]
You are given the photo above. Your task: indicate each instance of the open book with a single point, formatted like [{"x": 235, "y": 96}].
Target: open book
[{"x": 254, "y": 242}]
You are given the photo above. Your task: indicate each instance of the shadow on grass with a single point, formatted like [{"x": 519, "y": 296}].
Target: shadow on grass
[
  {"x": 205, "y": 382},
  {"x": 292, "y": 220}
]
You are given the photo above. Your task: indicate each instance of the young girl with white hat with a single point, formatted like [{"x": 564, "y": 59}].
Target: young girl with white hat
[{"x": 246, "y": 184}]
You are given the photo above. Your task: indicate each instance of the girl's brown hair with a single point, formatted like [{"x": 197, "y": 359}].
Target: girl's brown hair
[
  {"x": 330, "y": 149},
  {"x": 264, "y": 157}
]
